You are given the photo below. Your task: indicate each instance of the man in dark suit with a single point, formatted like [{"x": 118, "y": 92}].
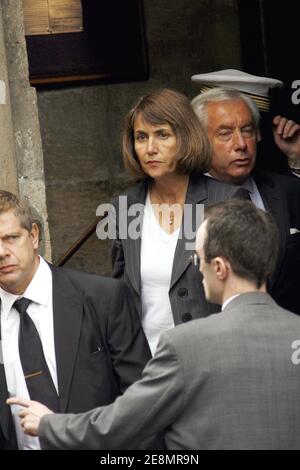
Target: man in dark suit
[
  {"x": 231, "y": 120},
  {"x": 228, "y": 381},
  {"x": 91, "y": 337}
]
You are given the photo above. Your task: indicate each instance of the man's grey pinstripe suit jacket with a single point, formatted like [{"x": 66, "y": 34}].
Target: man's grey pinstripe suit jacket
[{"x": 228, "y": 381}]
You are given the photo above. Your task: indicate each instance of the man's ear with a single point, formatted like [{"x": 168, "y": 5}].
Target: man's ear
[
  {"x": 34, "y": 235},
  {"x": 220, "y": 266}
]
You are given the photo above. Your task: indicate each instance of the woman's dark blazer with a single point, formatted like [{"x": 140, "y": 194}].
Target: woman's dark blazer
[{"x": 186, "y": 290}]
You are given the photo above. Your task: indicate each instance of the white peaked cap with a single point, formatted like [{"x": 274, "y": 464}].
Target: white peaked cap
[{"x": 254, "y": 86}]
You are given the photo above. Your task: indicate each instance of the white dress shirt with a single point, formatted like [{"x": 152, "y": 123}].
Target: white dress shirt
[{"x": 39, "y": 291}]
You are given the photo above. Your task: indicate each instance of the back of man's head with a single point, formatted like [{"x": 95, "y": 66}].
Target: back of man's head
[{"x": 244, "y": 235}]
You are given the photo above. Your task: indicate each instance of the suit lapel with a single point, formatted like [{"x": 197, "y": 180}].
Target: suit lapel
[
  {"x": 5, "y": 417},
  {"x": 202, "y": 190},
  {"x": 6, "y": 420},
  {"x": 67, "y": 317},
  {"x": 135, "y": 264},
  {"x": 196, "y": 194},
  {"x": 275, "y": 204},
  {"x": 136, "y": 195}
]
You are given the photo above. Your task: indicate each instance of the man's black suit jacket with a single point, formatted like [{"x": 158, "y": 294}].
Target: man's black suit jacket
[
  {"x": 281, "y": 197},
  {"x": 99, "y": 345}
]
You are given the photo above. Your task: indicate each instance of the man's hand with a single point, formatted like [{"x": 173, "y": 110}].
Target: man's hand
[
  {"x": 287, "y": 137},
  {"x": 30, "y": 415}
]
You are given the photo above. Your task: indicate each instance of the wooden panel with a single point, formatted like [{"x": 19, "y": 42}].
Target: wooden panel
[
  {"x": 52, "y": 16},
  {"x": 36, "y": 17},
  {"x": 65, "y": 16}
]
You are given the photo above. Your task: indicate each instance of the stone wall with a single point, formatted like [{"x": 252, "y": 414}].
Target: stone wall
[
  {"x": 81, "y": 125},
  {"x": 8, "y": 174},
  {"x": 22, "y": 166}
]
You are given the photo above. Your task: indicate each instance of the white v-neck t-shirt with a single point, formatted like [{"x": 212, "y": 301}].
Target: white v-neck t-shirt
[{"x": 157, "y": 254}]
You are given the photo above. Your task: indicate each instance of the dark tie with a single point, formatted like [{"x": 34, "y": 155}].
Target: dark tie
[
  {"x": 242, "y": 193},
  {"x": 36, "y": 373}
]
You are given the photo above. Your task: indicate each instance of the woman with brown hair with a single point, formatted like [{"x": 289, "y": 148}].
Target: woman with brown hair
[{"x": 166, "y": 151}]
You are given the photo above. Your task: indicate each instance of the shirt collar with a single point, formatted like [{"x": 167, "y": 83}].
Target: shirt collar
[
  {"x": 7, "y": 301},
  {"x": 229, "y": 300},
  {"x": 249, "y": 184},
  {"x": 39, "y": 288},
  {"x": 37, "y": 291}
]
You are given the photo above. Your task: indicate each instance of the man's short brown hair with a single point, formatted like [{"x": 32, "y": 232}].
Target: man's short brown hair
[
  {"x": 10, "y": 202},
  {"x": 169, "y": 106},
  {"x": 245, "y": 235}
]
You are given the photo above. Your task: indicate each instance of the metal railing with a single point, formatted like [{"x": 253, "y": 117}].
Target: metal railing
[{"x": 79, "y": 242}]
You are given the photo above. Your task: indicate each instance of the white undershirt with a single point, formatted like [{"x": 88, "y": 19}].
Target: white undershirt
[
  {"x": 39, "y": 291},
  {"x": 157, "y": 254}
]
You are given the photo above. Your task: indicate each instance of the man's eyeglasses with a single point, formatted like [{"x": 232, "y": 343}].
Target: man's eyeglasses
[{"x": 195, "y": 260}]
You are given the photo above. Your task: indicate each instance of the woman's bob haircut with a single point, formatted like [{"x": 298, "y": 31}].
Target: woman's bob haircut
[{"x": 165, "y": 106}]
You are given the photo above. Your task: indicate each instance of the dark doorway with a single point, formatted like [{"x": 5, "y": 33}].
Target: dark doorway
[{"x": 270, "y": 45}]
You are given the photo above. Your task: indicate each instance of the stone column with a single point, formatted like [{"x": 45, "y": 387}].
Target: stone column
[
  {"x": 8, "y": 166},
  {"x": 25, "y": 159}
]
